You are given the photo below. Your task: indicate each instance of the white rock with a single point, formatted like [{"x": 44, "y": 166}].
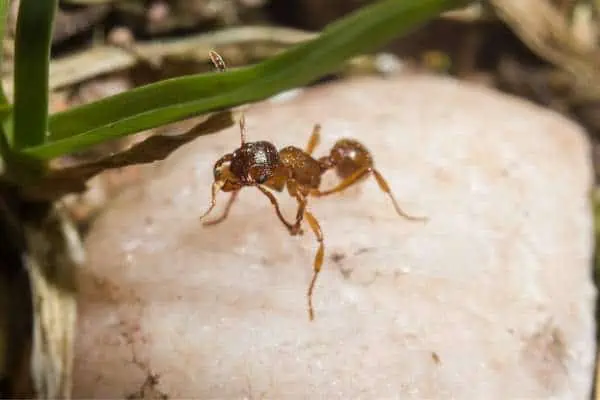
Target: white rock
[{"x": 492, "y": 298}]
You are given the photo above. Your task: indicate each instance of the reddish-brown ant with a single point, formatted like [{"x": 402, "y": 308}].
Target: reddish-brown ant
[{"x": 260, "y": 165}]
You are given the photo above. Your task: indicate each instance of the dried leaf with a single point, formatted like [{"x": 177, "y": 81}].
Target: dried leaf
[
  {"x": 544, "y": 30},
  {"x": 55, "y": 252},
  {"x": 73, "y": 179},
  {"x": 40, "y": 255}
]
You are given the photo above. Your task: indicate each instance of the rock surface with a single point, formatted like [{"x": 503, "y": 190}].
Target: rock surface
[{"x": 491, "y": 298}]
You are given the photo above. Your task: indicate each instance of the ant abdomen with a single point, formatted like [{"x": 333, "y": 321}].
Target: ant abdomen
[
  {"x": 304, "y": 169},
  {"x": 347, "y": 157}
]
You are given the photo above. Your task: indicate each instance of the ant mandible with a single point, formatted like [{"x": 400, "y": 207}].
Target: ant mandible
[{"x": 260, "y": 165}]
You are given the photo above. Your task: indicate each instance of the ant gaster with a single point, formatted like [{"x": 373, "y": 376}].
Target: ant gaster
[{"x": 261, "y": 165}]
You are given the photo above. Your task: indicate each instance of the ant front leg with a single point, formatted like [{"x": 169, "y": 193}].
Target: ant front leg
[
  {"x": 225, "y": 212},
  {"x": 318, "y": 262},
  {"x": 216, "y": 186}
]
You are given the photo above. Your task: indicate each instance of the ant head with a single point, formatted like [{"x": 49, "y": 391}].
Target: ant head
[
  {"x": 254, "y": 162},
  {"x": 251, "y": 164}
]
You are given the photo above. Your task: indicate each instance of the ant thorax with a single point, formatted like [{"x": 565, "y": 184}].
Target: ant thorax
[
  {"x": 254, "y": 162},
  {"x": 305, "y": 170}
]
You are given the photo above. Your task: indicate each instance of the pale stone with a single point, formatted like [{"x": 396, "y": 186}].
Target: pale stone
[{"x": 492, "y": 298}]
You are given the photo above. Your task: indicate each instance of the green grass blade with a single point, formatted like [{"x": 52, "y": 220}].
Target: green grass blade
[
  {"x": 32, "y": 55},
  {"x": 3, "y": 17},
  {"x": 5, "y": 106},
  {"x": 171, "y": 100}
]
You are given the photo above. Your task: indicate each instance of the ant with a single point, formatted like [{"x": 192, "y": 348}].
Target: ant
[{"x": 260, "y": 165}]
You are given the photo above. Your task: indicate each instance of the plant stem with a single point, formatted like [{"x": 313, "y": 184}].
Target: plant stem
[
  {"x": 3, "y": 14},
  {"x": 32, "y": 57}
]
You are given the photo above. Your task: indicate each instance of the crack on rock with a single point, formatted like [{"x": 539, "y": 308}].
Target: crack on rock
[
  {"x": 149, "y": 388},
  {"x": 105, "y": 289},
  {"x": 130, "y": 330}
]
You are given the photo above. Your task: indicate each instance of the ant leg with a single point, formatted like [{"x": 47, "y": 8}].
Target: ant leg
[
  {"x": 296, "y": 229},
  {"x": 225, "y": 212},
  {"x": 273, "y": 201},
  {"x": 301, "y": 200},
  {"x": 314, "y": 140},
  {"x": 216, "y": 186},
  {"x": 383, "y": 185},
  {"x": 316, "y": 228},
  {"x": 349, "y": 181}
]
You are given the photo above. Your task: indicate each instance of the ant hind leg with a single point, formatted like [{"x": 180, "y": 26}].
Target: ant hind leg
[
  {"x": 344, "y": 184},
  {"x": 381, "y": 182},
  {"x": 383, "y": 185}
]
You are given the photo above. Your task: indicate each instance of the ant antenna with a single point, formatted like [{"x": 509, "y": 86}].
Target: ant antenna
[
  {"x": 243, "y": 128},
  {"x": 220, "y": 65}
]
